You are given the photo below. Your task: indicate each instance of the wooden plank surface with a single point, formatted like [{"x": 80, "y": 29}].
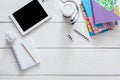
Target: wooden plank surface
[
  {"x": 58, "y": 78},
  {"x": 60, "y": 58},
  {"x": 66, "y": 62},
  {"x": 55, "y": 35}
]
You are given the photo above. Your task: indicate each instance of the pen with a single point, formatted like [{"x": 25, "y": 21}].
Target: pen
[{"x": 81, "y": 34}]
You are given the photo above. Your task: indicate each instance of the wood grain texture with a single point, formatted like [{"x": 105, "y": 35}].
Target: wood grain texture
[
  {"x": 57, "y": 78},
  {"x": 60, "y": 58},
  {"x": 55, "y": 35},
  {"x": 66, "y": 62}
]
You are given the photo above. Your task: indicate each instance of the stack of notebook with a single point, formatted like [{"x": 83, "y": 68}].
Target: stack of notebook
[{"x": 100, "y": 15}]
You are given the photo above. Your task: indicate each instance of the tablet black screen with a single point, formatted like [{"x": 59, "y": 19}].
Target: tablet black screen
[{"x": 30, "y": 14}]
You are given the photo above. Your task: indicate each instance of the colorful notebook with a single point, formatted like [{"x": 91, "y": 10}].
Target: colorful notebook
[
  {"x": 105, "y": 11},
  {"x": 99, "y": 27},
  {"x": 91, "y": 33},
  {"x": 90, "y": 30},
  {"x": 88, "y": 15}
]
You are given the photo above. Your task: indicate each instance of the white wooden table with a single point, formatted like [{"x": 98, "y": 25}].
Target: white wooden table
[{"x": 60, "y": 58}]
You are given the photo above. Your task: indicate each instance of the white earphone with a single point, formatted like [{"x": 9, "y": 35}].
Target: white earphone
[
  {"x": 70, "y": 10},
  {"x": 72, "y": 13}
]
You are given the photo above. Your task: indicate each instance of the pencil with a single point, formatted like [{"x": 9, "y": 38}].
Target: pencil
[{"x": 29, "y": 53}]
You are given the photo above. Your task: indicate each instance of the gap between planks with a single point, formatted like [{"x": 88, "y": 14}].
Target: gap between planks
[
  {"x": 89, "y": 75},
  {"x": 70, "y": 48}
]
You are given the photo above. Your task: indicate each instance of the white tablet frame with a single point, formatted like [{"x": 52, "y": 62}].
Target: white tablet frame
[{"x": 34, "y": 26}]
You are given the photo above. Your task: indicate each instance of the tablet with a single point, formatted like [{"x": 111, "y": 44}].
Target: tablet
[{"x": 29, "y": 16}]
